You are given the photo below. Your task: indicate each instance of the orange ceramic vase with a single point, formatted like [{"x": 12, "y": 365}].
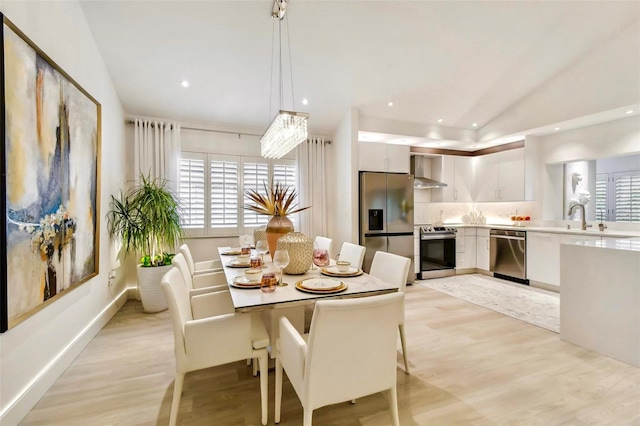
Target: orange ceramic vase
[{"x": 276, "y": 228}]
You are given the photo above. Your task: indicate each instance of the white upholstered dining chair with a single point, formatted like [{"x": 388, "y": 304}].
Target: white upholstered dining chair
[
  {"x": 204, "y": 267},
  {"x": 394, "y": 269},
  {"x": 201, "y": 306},
  {"x": 352, "y": 253},
  {"x": 351, "y": 353},
  {"x": 324, "y": 243},
  {"x": 212, "y": 340}
]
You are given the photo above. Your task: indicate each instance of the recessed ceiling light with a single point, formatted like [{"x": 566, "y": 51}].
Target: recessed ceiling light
[
  {"x": 305, "y": 102},
  {"x": 184, "y": 83},
  {"x": 556, "y": 128},
  {"x": 390, "y": 104},
  {"x": 630, "y": 111},
  {"x": 440, "y": 120},
  {"x": 474, "y": 125}
]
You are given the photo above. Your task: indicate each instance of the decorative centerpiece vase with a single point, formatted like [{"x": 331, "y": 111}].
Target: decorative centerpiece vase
[
  {"x": 300, "y": 248},
  {"x": 276, "y": 228}
]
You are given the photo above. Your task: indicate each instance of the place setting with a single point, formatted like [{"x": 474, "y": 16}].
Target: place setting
[
  {"x": 321, "y": 285},
  {"x": 341, "y": 269}
]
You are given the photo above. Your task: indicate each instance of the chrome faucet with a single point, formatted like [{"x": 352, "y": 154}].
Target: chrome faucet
[{"x": 581, "y": 207}]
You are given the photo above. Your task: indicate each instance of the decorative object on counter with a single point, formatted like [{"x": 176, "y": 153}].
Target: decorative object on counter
[
  {"x": 481, "y": 219},
  {"x": 277, "y": 201},
  {"x": 519, "y": 220},
  {"x": 300, "y": 248}
]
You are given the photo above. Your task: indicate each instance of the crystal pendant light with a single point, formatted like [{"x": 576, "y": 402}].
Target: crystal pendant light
[{"x": 289, "y": 128}]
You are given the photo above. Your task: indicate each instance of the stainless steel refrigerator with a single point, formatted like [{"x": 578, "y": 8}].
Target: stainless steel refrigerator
[{"x": 386, "y": 215}]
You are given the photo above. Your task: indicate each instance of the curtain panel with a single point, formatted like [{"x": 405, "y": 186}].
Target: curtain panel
[
  {"x": 310, "y": 158},
  {"x": 157, "y": 150}
]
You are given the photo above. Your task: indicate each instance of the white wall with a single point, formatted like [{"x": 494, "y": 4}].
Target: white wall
[
  {"x": 35, "y": 352},
  {"x": 342, "y": 182}
]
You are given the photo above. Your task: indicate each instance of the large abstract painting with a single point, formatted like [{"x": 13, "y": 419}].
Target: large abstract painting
[{"x": 50, "y": 180}]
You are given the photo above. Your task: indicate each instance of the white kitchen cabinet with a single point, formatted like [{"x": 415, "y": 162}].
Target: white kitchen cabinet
[
  {"x": 482, "y": 249},
  {"x": 458, "y": 173},
  {"x": 416, "y": 250},
  {"x": 500, "y": 176},
  {"x": 579, "y": 239},
  {"x": 466, "y": 248},
  {"x": 543, "y": 257},
  {"x": 382, "y": 157}
]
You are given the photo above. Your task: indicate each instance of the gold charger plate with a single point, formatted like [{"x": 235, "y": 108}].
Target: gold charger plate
[
  {"x": 321, "y": 286},
  {"x": 236, "y": 264},
  {"x": 332, "y": 271}
]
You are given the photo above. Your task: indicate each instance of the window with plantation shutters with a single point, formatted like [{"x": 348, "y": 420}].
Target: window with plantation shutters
[
  {"x": 192, "y": 189},
  {"x": 212, "y": 191},
  {"x": 627, "y": 196},
  {"x": 602, "y": 211},
  {"x": 224, "y": 182}
]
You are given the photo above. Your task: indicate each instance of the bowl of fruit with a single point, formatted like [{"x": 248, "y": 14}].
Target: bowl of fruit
[{"x": 519, "y": 220}]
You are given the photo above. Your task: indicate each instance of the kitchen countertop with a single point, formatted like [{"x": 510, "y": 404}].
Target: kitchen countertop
[{"x": 555, "y": 230}]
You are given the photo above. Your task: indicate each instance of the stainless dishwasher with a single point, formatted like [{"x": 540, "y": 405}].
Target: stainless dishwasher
[{"x": 508, "y": 255}]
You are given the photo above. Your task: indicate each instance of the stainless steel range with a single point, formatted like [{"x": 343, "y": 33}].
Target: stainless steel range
[{"x": 437, "y": 251}]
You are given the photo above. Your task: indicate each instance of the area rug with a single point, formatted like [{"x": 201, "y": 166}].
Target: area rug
[{"x": 533, "y": 305}]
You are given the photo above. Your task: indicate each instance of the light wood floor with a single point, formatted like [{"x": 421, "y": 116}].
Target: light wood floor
[{"x": 470, "y": 366}]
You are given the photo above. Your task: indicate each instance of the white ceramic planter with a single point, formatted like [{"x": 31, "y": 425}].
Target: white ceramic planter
[{"x": 151, "y": 293}]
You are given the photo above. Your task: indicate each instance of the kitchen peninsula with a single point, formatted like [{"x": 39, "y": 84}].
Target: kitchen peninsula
[{"x": 600, "y": 300}]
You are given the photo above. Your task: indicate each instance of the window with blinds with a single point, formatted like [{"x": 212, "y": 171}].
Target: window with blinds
[
  {"x": 212, "y": 186},
  {"x": 191, "y": 191},
  {"x": 627, "y": 196},
  {"x": 618, "y": 196},
  {"x": 602, "y": 211}
]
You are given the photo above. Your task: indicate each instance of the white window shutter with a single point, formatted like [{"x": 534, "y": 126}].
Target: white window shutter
[
  {"x": 255, "y": 175},
  {"x": 627, "y": 201},
  {"x": 191, "y": 191},
  {"x": 224, "y": 192}
]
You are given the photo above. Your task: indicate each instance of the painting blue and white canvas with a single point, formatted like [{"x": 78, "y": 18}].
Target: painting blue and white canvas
[{"x": 51, "y": 155}]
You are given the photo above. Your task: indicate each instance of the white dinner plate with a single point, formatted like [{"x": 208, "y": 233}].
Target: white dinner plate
[
  {"x": 321, "y": 284},
  {"x": 333, "y": 271},
  {"x": 239, "y": 264}
]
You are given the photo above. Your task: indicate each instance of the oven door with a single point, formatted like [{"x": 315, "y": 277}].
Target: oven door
[{"x": 437, "y": 256}]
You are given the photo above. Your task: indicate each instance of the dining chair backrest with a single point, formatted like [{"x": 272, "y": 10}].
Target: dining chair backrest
[
  {"x": 181, "y": 263},
  {"x": 177, "y": 295},
  {"x": 353, "y": 253},
  {"x": 391, "y": 268},
  {"x": 351, "y": 349},
  {"x": 324, "y": 243},
  {"x": 186, "y": 252}
]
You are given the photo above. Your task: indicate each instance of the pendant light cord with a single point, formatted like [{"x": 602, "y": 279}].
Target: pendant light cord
[{"x": 293, "y": 97}]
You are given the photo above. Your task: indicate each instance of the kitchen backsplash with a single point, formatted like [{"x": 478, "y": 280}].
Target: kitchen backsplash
[{"x": 494, "y": 213}]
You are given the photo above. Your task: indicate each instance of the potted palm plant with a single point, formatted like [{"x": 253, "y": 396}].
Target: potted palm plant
[
  {"x": 146, "y": 218},
  {"x": 278, "y": 201}
]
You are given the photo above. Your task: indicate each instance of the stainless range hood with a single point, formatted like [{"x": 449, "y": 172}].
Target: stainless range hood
[{"x": 418, "y": 171}]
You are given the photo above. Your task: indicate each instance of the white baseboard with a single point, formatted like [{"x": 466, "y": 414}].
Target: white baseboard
[{"x": 17, "y": 409}]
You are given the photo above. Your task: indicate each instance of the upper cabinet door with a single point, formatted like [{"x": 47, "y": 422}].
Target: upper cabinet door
[
  {"x": 511, "y": 175},
  {"x": 464, "y": 173},
  {"x": 382, "y": 157},
  {"x": 487, "y": 177},
  {"x": 398, "y": 157},
  {"x": 372, "y": 157}
]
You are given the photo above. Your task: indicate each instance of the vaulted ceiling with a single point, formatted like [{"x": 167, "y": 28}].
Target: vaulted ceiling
[{"x": 460, "y": 62}]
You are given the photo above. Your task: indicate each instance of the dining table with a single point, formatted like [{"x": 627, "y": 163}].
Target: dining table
[{"x": 288, "y": 300}]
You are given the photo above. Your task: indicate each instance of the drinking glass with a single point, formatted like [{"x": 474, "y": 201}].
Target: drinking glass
[
  {"x": 262, "y": 248},
  {"x": 268, "y": 282},
  {"x": 320, "y": 257},
  {"x": 255, "y": 262},
  {"x": 280, "y": 261}
]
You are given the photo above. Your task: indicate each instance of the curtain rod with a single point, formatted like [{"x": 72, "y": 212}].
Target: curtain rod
[{"x": 216, "y": 131}]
